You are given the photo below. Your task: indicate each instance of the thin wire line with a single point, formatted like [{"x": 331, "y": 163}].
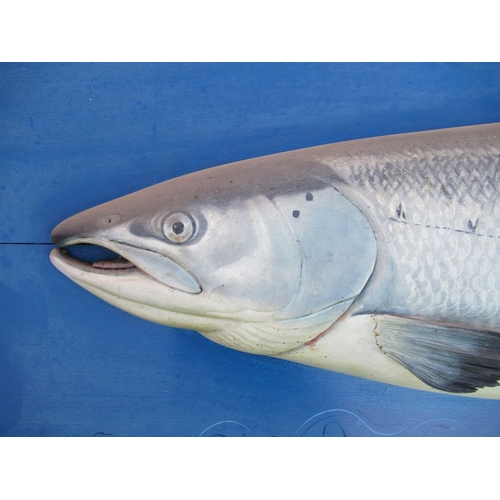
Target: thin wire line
[{"x": 24, "y": 243}]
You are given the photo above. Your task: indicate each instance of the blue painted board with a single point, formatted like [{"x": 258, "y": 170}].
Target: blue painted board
[{"x": 75, "y": 135}]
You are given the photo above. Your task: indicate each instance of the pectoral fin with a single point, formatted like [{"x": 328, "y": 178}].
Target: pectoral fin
[{"x": 451, "y": 359}]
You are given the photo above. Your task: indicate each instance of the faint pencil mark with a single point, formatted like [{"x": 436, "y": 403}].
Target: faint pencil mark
[
  {"x": 102, "y": 434},
  {"x": 438, "y": 427},
  {"x": 334, "y": 429},
  {"x": 224, "y": 428},
  {"x": 343, "y": 423},
  {"x": 472, "y": 227},
  {"x": 327, "y": 414},
  {"x": 400, "y": 212}
]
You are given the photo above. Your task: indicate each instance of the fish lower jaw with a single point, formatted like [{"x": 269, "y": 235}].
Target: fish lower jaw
[
  {"x": 175, "y": 316},
  {"x": 136, "y": 293}
]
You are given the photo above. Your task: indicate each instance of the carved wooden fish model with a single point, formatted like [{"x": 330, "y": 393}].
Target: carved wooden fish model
[{"x": 377, "y": 257}]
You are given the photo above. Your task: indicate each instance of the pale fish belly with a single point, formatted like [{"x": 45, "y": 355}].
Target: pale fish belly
[{"x": 437, "y": 219}]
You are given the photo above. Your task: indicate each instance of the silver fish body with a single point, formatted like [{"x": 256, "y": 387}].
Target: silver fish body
[{"x": 377, "y": 257}]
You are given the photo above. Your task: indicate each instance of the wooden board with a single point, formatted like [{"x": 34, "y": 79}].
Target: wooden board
[{"x": 75, "y": 135}]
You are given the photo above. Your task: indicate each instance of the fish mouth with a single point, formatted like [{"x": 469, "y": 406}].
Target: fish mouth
[
  {"x": 83, "y": 260},
  {"x": 122, "y": 259}
]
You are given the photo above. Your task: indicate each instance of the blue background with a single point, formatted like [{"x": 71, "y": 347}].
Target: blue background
[{"x": 75, "y": 135}]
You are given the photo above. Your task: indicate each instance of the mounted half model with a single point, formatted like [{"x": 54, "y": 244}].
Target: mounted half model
[{"x": 378, "y": 257}]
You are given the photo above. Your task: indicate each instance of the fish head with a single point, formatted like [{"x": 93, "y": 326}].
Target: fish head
[{"x": 250, "y": 259}]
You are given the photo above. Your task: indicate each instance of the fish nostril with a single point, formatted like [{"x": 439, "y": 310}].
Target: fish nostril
[{"x": 109, "y": 219}]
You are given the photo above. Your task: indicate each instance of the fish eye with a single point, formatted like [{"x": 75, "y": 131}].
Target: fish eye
[{"x": 178, "y": 227}]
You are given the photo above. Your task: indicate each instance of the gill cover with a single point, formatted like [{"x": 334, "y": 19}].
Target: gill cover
[{"x": 337, "y": 251}]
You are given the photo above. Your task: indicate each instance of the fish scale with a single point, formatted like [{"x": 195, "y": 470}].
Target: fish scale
[{"x": 437, "y": 212}]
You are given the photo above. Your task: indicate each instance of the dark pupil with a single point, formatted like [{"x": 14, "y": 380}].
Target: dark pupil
[{"x": 178, "y": 227}]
